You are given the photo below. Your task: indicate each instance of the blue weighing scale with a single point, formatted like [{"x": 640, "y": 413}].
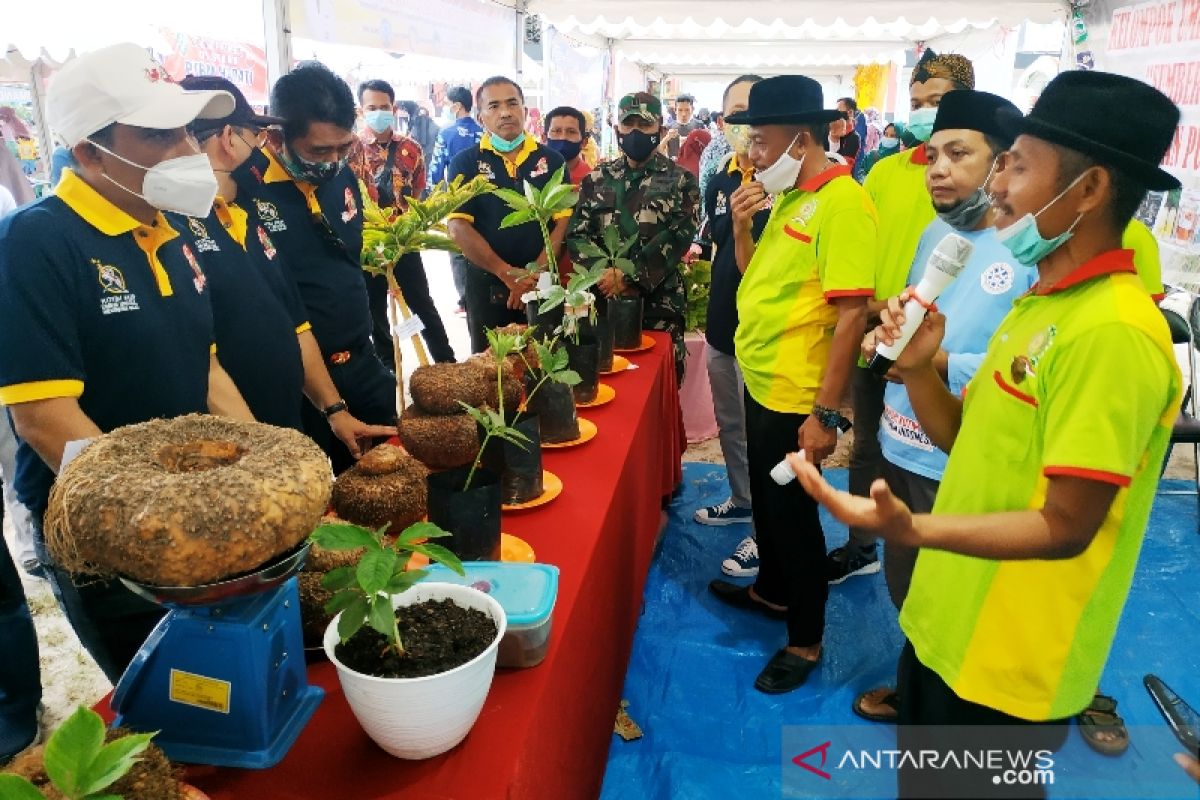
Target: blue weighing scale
[{"x": 222, "y": 676}]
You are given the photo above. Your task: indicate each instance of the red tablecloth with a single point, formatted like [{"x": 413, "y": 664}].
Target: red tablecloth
[{"x": 544, "y": 732}]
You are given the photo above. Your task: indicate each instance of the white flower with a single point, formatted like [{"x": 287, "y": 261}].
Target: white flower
[{"x": 529, "y": 297}]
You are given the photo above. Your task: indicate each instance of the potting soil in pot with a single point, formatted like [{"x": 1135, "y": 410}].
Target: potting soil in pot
[
  {"x": 438, "y": 635},
  {"x": 152, "y": 776}
]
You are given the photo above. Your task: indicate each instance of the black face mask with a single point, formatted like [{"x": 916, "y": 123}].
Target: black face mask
[
  {"x": 249, "y": 174},
  {"x": 638, "y": 145}
]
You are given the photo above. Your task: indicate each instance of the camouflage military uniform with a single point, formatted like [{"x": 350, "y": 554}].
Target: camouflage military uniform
[{"x": 658, "y": 202}]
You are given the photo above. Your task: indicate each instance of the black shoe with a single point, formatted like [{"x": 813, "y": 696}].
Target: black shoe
[
  {"x": 847, "y": 561},
  {"x": 784, "y": 672},
  {"x": 739, "y": 597}
]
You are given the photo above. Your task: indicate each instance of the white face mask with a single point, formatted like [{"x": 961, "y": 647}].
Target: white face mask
[
  {"x": 781, "y": 176},
  {"x": 185, "y": 185}
]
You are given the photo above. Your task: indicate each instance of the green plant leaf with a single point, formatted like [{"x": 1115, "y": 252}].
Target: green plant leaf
[
  {"x": 338, "y": 578},
  {"x": 72, "y": 748},
  {"x": 419, "y": 530},
  {"x": 586, "y": 248},
  {"x": 515, "y": 200},
  {"x": 342, "y": 600},
  {"x": 353, "y": 617},
  {"x": 569, "y": 377},
  {"x": 381, "y": 616},
  {"x": 435, "y": 552},
  {"x": 531, "y": 196},
  {"x": 553, "y": 300},
  {"x": 404, "y": 581},
  {"x": 474, "y": 413},
  {"x": 515, "y": 218},
  {"x": 14, "y": 787},
  {"x": 343, "y": 536},
  {"x": 374, "y": 570},
  {"x": 113, "y": 761}
]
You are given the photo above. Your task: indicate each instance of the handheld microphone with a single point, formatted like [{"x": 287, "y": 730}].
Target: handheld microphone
[{"x": 943, "y": 266}]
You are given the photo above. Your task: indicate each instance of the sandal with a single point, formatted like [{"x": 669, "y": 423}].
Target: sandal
[
  {"x": 1102, "y": 717},
  {"x": 891, "y": 700}
]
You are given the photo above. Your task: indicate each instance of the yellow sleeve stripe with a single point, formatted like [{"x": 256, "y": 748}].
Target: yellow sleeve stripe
[
  {"x": 564, "y": 214},
  {"x": 40, "y": 390},
  {"x": 303, "y": 327},
  {"x": 212, "y": 349},
  {"x": 460, "y": 215}
]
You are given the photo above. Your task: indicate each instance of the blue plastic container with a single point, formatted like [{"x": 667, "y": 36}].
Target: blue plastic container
[{"x": 526, "y": 592}]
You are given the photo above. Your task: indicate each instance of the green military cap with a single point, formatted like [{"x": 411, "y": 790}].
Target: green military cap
[{"x": 639, "y": 104}]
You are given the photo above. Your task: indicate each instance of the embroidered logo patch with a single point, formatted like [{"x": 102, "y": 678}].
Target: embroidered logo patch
[
  {"x": 204, "y": 242},
  {"x": 998, "y": 278},
  {"x": 265, "y": 241},
  {"x": 198, "y": 279},
  {"x": 112, "y": 280},
  {"x": 351, "y": 208},
  {"x": 541, "y": 168},
  {"x": 270, "y": 216}
]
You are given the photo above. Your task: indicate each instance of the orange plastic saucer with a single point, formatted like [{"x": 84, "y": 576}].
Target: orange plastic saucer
[
  {"x": 620, "y": 364},
  {"x": 647, "y": 343},
  {"x": 587, "y": 432},
  {"x": 552, "y": 487},
  {"x": 605, "y": 395}
]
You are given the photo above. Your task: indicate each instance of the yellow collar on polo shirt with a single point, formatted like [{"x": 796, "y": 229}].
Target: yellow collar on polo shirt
[
  {"x": 277, "y": 173},
  {"x": 233, "y": 218},
  {"x": 105, "y": 217},
  {"x": 527, "y": 148}
]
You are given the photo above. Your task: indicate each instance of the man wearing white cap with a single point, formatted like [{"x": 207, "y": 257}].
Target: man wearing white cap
[{"x": 104, "y": 310}]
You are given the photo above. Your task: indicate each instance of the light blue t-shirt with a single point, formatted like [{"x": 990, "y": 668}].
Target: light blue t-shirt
[{"x": 974, "y": 304}]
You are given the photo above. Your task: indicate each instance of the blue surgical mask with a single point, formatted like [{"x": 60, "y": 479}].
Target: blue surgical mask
[
  {"x": 379, "y": 121},
  {"x": 1024, "y": 240},
  {"x": 565, "y": 148},
  {"x": 920, "y": 123},
  {"x": 889, "y": 143},
  {"x": 504, "y": 145}
]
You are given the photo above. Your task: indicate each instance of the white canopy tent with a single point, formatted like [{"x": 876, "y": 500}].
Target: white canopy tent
[{"x": 711, "y": 40}]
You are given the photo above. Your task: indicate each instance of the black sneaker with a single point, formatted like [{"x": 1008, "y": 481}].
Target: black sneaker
[{"x": 848, "y": 561}]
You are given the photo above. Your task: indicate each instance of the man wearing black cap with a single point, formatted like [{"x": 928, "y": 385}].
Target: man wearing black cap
[
  {"x": 802, "y": 307},
  {"x": 264, "y": 339},
  {"x": 1027, "y": 559},
  {"x": 966, "y": 143},
  {"x": 649, "y": 197}
]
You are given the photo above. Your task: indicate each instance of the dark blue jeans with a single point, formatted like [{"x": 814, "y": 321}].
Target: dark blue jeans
[
  {"x": 110, "y": 621},
  {"x": 20, "y": 677}
]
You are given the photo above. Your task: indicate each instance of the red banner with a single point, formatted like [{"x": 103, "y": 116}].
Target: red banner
[{"x": 243, "y": 64}]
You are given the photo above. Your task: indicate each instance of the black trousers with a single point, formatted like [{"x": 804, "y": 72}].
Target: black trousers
[
  {"x": 20, "y": 677},
  {"x": 368, "y": 388},
  {"x": 932, "y": 717},
  {"x": 866, "y": 457},
  {"x": 414, "y": 285},
  {"x": 487, "y": 306},
  {"x": 791, "y": 544},
  {"x": 111, "y": 621}
]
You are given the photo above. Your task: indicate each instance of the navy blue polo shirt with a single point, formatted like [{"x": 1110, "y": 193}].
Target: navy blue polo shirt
[
  {"x": 257, "y": 314},
  {"x": 722, "y": 321},
  {"x": 320, "y": 230},
  {"x": 99, "y": 307},
  {"x": 519, "y": 245}
]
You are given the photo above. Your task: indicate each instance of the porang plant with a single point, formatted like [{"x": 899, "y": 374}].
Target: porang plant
[{"x": 363, "y": 592}]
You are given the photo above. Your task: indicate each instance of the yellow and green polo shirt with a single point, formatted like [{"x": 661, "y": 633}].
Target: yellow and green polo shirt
[
  {"x": 819, "y": 244},
  {"x": 896, "y": 185},
  {"x": 100, "y": 307},
  {"x": 1141, "y": 241},
  {"x": 1079, "y": 379}
]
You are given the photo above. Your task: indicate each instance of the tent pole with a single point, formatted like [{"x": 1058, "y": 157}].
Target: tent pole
[
  {"x": 519, "y": 30},
  {"x": 37, "y": 86},
  {"x": 277, "y": 32}
]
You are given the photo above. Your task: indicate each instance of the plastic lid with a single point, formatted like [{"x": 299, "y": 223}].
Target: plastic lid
[{"x": 526, "y": 591}]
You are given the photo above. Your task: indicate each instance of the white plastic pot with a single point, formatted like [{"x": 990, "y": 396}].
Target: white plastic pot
[{"x": 418, "y": 718}]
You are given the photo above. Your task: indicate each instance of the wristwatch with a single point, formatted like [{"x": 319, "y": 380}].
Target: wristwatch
[
  {"x": 329, "y": 411},
  {"x": 830, "y": 418}
]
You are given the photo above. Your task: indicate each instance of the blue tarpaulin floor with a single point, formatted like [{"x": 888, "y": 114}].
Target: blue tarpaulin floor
[{"x": 710, "y": 734}]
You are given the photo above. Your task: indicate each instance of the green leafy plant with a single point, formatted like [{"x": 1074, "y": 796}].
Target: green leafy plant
[
  {"x": 541, "y": 206},
  {"x": 389, "y": 235},
  {"x": 492, "y": 420},
  {"x": 552, "y": 366},
  {"x": 79, "y": 763},
  {"x": 579, "y": 299},
  {"x": 363, "y": 592},
  {"x": 697, "y": 283},
  {"x": 611, "y": 253}
]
